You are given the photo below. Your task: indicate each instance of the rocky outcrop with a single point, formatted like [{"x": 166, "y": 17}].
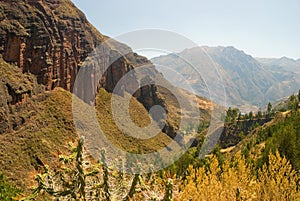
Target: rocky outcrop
[
  {"x": 51, "y": 39},
  {"x": 233, "y": 133},
  {"x": 16, "y": 89},
  {"x": 45, "y": 42},
  {"x": 40, "y": 40}
]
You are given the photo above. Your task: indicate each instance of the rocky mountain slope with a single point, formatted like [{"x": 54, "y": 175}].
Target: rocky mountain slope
[
  {"x": 52, "y": 39},
  {"x": 43, "y": 46},
  {"x": 247, "y": 81}
]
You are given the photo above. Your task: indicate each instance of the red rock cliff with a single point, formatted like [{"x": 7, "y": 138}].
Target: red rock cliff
[{"x": 51, "y": 39}]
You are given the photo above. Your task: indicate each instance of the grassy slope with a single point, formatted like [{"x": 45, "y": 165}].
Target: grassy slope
[
  {"x": 139, "y": 116},
  {"x": 40, "y": 140},
  {"x": 49, "y": 130},
  {"x": 49, "y": 127}
]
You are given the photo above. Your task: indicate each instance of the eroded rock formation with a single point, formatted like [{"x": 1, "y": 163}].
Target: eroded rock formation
[{"x": 53, "y": 39}]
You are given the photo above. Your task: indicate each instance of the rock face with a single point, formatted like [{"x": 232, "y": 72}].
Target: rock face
[
  {"x": 43, "y": 43},
  {"x": 16, "y": 89},
  {"x": 53, "y": 39},
  {"x": 233, "y": 133},
  {"x": 49, "y": 39}
]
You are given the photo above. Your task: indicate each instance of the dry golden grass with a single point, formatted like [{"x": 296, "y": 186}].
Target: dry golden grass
[{"x": 139, "y": 116}]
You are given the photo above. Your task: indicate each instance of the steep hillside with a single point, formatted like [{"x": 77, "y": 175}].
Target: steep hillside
[
  {"x": 53, "y": 39},
  {"x": 245, "y": 80},
  {"x": 43, "y": 46},
  {"x": 37, "y": 126},
  {"x": 280, "y": 134},
  {"x": 283, "y": 63}
]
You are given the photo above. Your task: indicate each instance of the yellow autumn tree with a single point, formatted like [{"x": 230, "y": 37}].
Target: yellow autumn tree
[
  {"x": 238, "y": 181},
  {"x": 278, "y": 180}
]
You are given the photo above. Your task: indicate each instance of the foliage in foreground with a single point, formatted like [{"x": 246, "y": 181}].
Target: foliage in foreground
[{"x": 78, "y": 179}]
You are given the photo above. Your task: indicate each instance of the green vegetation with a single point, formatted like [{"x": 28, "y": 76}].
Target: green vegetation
[
  {"x": 269, "y": 108},
  {"x": 79, "y": 179},
  {"x": 231, "y": 115},
  {"x": 293, "y": 103},
  {"x": 238, "y": 126},
  {"x": 7, "y": 190},
  {"x": 285, "y": 137},
  {"x": 282, "y": 134}
]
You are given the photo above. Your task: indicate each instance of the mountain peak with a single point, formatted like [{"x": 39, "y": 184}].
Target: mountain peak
[
  {"x": 224, "y": 49},
  {"x": 246, "y": 79},
  {"x": 284, "y": 58}
]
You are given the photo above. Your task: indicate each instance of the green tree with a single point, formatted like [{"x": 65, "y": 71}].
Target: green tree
[
  {"x": 269, "y": 108},
  {"x": 231, "y": 114},
  {"x": 251, "y": 115},
  {"x": 235, "y": 113},
  {"x": 228, "y": 115},
  {"x": 240, "y": 116},
  {"x": 293, "y": 103},
  {"x": 259, "y": 115}
]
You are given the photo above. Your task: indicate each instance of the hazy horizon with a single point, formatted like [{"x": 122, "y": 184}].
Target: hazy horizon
[{"x": 265, "y": 29}]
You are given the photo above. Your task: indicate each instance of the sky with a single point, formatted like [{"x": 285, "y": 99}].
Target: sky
[{"x": 261, "y": 28}]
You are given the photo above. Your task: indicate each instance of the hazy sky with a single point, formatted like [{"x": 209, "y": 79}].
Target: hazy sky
[{"x": 262, "y": 28}]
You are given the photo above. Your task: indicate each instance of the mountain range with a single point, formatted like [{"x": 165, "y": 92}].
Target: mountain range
[{"x": 247, "y": 81}]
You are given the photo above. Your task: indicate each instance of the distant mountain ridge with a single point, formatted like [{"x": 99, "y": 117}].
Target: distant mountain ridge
[
  {"x": 283, "y": 68},
  {"x": 247, "y": 80}
]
